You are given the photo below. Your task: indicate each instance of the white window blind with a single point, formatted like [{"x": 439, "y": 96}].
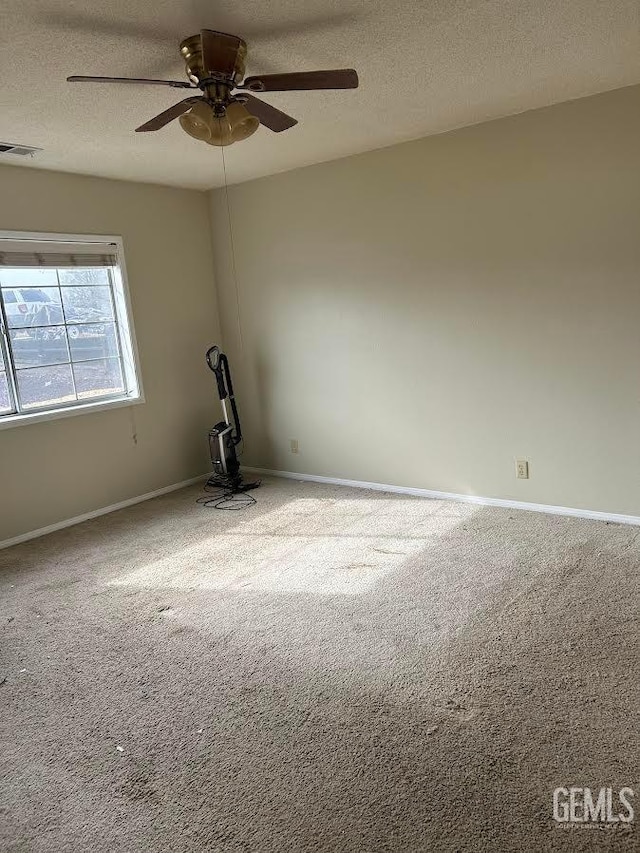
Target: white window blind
[{"x": 57, "y": 255}]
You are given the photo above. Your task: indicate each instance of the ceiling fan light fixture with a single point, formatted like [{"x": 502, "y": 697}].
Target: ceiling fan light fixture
[
  {"x": 220, "y": 131},
  {"x": 198, "y": 121},
  {"x": 234, "y": 125},
  {"x": 242, "y": 123}
]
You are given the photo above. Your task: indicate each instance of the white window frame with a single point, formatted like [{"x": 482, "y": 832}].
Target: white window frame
[{"x": 121, "y": 294}]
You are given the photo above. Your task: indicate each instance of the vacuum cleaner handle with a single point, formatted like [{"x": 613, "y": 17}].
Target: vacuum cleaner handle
[
  {"x": 237, "y": 432},
  {"x": 219, "y": 364},
  {"x": 213, "y": 354},
  {"x": 214, "y": 360}
]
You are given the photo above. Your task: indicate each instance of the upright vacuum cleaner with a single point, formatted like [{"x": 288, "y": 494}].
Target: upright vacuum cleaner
[{"x": 225, "y": 436}]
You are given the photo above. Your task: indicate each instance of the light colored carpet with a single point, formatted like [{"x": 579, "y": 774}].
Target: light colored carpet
[{"x": 330, "y": 670}]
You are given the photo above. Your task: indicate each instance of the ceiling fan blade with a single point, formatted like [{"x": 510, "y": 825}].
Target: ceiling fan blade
[
  {"x": 269, "y": 116},
  {"x": 343, "y": 78},
  {"x": 219, "y": 52},
  {"x": 172, "y": 113},
  {"x": 176, "y": 84}
]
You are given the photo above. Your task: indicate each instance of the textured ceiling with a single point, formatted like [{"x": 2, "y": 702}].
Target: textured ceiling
[{"x": 425, "y": 66}]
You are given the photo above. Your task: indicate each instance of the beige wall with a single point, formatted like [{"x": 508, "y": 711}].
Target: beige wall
[
  {"x": 423, "y": 314},
  {"x": 58, "y": 469}
]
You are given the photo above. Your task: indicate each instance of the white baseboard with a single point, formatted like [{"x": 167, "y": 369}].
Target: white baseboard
[
  {"x": 69, "y": 522},
  {"x": 594, "y": 515}
]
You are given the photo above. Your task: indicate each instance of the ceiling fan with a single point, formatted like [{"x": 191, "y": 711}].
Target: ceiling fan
[{"x": 227, "y": 111}]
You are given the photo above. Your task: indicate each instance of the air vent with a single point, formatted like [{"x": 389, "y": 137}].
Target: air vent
[{"x": 7, "y": 148}]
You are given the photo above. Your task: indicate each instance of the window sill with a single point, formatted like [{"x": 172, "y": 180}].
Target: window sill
[{"x": 69, "y": 411}]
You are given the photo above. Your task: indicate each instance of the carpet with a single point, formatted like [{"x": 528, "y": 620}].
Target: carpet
[{"x": 329, "y": 670}]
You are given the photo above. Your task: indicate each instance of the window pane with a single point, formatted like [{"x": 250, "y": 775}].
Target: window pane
[
  {"x": 5, "y": 400},
  {"x": 36, "y": 347},
  {"x": 93, "y": 340},
  {"x": 67, "y": 336},
  {"x": 98, "y": 378},
  {"x": 32, "y": 306},
  {"x": 87, "y": 304},
  {"x": 11, "y": 277},
  {"x": 42, "y": 386},
  {"x": 84, "y": 277}
]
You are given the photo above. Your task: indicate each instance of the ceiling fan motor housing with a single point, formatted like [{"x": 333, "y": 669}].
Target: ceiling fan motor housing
[{"x": 235, "y": 47}]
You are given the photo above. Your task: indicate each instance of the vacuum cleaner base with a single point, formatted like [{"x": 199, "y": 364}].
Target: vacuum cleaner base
[
  {"x": 226, "y": 495},
  {"x": 231, "y": 486}
]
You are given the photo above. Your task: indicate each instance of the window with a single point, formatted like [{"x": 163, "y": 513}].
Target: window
[{"x": 67, "y": 339}]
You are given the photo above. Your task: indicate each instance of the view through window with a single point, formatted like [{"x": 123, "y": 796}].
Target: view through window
[{"x": 66, "y": 338}]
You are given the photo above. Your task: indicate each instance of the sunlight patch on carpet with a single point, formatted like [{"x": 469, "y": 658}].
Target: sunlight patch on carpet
[{"x": 320, "y": 546}]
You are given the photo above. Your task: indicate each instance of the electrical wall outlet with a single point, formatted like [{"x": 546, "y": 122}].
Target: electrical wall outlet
[
  {"x": 522, "y": 469},
  {"x": 294, "y": 445}
]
